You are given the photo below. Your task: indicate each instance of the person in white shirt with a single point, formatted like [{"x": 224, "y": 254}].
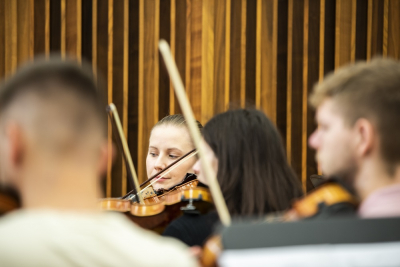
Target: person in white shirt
[{"x": 53, "y": 150}]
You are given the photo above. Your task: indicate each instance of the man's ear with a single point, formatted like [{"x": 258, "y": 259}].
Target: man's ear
[
  {"x": 16, "y": 145},
  {"x": 106, "y": 154},
  {"x": 365, "y": 136}
]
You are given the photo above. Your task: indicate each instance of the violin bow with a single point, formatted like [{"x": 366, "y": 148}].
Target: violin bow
[
  {"x": 194, "y": 132},
  {"x": 176, "y": 163},
  {"x": 112, "y": 110}
]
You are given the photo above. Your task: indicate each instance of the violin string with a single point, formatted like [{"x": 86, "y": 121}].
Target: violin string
[{"x": 171, "y": 169}]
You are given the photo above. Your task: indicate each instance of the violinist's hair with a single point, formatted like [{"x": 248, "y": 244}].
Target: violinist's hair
[
  {"x": 253, "y": 172},
  {"x": 369, "y": 90},
  {"x": 46, "y": 81},
  {"x": 176, "y": 120}
]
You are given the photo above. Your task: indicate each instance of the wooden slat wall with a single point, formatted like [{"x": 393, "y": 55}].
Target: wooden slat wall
[{"x": 239, "y": 53}]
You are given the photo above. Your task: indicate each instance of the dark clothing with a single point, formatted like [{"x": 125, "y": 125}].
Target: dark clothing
[{"x": 192, "y": 229}]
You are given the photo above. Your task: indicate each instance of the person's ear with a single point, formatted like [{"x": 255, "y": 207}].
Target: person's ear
[
  {"x": 16, "y": 146},
  {"x": 365, "y": 136},
  {"x": 107, "y": 154}
]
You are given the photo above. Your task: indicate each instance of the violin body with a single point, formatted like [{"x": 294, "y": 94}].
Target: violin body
[
  {"x": 326, "y": 195},
  {"x": 159, "y": 210}
]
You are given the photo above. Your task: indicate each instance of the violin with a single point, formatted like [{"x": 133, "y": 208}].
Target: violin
[
  {"x": 327, "y": 195},
  {"x": 152, "y": 209}
]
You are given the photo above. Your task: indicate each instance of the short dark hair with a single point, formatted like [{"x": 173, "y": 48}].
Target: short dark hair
[
  {"x": 368, "y": 90},
  {"x": 253, "y": 172},
  {"x": 46, "y": 77}
]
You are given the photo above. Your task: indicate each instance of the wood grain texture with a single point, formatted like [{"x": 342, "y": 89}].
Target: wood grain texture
[
  {"x": 295, "y": 84},
  {"x": 263, "y": 53},
  {"x": 221, "y": 63},
  {"x": 10, "y": 36},
  {"x": 266, "y": 98},
  {"x": 25, "y": 31},
  {"x": 207, "y": 61},
  {"x": 393, "y": 42},
  {"x": 345, "y": 32},
  {"x": 193, "y": 90},
  {"x": 310, "y": 77},
  {"x": 2, "y": 39},
  {"x": 375, "y": 28},
  {"x": 118, "y": 85},
  {"x": 148, "y": 77}
]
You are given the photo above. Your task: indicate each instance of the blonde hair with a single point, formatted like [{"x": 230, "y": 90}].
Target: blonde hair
[{"x": 175, "y": 120}]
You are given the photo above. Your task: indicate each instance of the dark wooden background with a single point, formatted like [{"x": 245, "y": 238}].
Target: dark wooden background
[{"x": 262, "y": 53}]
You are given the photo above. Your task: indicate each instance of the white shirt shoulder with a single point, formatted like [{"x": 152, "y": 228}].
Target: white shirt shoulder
[{"x": 53, "y": 238}]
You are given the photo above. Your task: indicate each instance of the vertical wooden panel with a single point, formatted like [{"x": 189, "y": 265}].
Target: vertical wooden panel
[
  {"x": 268, "y": 47},
  {"x": 295, "y": 86},
  {"x": 282, "y": 69},
  {"x": 329, "y": 36},
  {"x": 361, "y": 30},
  {"x": 207, "y": 61},
  {"x": 221, "y": 70},
  {"x": 188, "y": 46},
  {"x": 110, "y": 26},
  {"x": 41, "y": 31},
  {"x": 148, "y": 76},
  {"x": 385, "y": 26},
  {"x": 375, "y": 28},
  {"x": 63, "y": 28},
  {"x": 164, "y": 82},
  {"x": 55, "y": 26},
  {"x": 133, "y": 81},
  {"x": 310, "y": 77},
  {"x": 10, "y": 29},
  {"x": 195, "y": 56},
  {"x": 87, "y": 31},
  {"x": 116, "y": 81},
  {"x": 250, "y": 55},
  {"x": 2, "y": 39},
  {"x": 25, "y": 31},
  {"x": 243, "y": 54},
  {"x": 125, "y": 85},
  {"x": 237, "y": 55},
  {"x": 179, "y": 29},
  {"x": 345, "y": 32},
  {"x": 94, "y": 36},
  {"x": 393, "y": 43},
  {"x": 71, "y": 28},
  {"x": 25, "y": 24}
]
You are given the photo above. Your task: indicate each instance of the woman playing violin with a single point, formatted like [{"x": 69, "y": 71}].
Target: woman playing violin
[
  {"x": 246, "y": 153},
  {"x": 170, "y": 140}
]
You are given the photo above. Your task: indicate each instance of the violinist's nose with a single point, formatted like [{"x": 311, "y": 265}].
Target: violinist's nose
[
  {"x": 160, "y": 163},
  {"x": 313, "y": 140},
  {"x": 196, "y": 167}
]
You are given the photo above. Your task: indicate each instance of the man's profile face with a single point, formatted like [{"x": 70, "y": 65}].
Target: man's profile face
[{"x": 333, "y": 142}]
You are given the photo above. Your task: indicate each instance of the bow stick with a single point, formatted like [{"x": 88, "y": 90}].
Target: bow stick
[
  {"x": 129, "y": 163},
  {"x": 194, "y": 132}
]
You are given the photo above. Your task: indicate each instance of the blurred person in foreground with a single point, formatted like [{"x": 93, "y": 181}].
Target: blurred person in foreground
[
  {"x": 358, "y": 134},
  {"x": 53, "y": 149}
]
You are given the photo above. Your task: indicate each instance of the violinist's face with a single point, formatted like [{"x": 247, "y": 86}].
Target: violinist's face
[
  {"x": 167, "y": 144},
  {"x": 334, "y": 142},
  {"x": 211, "y": 158}
]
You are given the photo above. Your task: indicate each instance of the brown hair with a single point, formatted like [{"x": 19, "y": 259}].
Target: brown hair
[
  {"x": 369, "y": 90},
  {"x": 253, "y": 172}
]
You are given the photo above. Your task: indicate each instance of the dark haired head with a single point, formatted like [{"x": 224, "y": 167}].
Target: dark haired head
[
  {"x": 57, "y": 99},
  {"x": 253, "y": 172}
]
